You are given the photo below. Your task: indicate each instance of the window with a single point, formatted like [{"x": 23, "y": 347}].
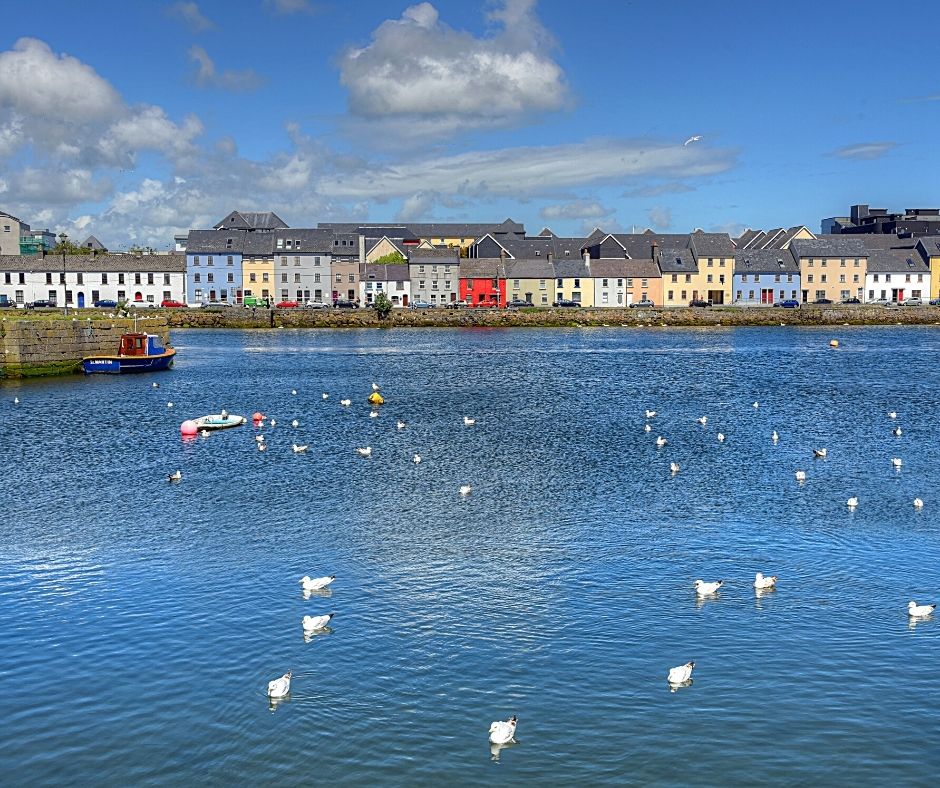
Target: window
[
  {"x": 855, "y": 277},
  {"x": 209, "y": 277},
  {"x": 48, "y": 279},
  {"x": 339, "y": 277},
  {"x": 149, "y": 279},
  {"x": 196, "y": 260},
  {"x": 21, "y": 278},
  {"x": 887, "y": 277},
  {"x": 316, "y": 278},
  {"x": 688, "y": 280},
  {"x": 541, "y": 284},
  {"x": 283, "y": 261},
  {"x": 644, "y": 283},
  {"x": 675, "y": 278},
  {"x": 744, "y": 278},
  {"x": 231, "y": 278},
  {"x": 280, "y": 243},
  {"x": 19, "y": 296},
  {"x": 809, "y": 277},
  {"x": 630, "y": 283},
  {"x": 421, "y": 284},
  {"x": 230, "y": 260},
  {"x": 297, "y": 259},
  {"x": 283, "y": 278},
  {"x": 776, "y": 277},
  {"x": 252, "y": 277},
  {"x": 122, "y": 295},
  {"x": 62, "y": 279},
  {"x": 7, "y": 279},
  {"x": 822, "y": 279},
  {"x": 670, "y": 296},
  {"x": 907, "y": 278},
  {"x": 721, "y": 263},
  {"x": 209, "y": 260},
  {"x": 136, "y": 279},
  {"x": 297, "y": 277},
  {"x": 620, "y": 283},
  {"x": 352, "y": 277},
  {"x": 842, "y": 263},
  {"x": 68, "y": 296},
  {"x": 684, "y": 295},
  {"x": 709, "y": 278},
  {"x": 738, "y": 296},
  {"x": 604, "y": 284},
  {"x": 447, "y": 284},
  {"x": 710, "y": 262},
  {"x": 120, "y": 279},
  {"x": 166, "y": 279},
  {"x": 842, "y": 278},
  {"x": 809, "y": 263},
  {"x": 876, "y": 277},
  {"x": 789, "y": 277},
  {"x": 316, "y": 260},
  {"x": 79, "y": 277},
  {"x": 559, "y": 283},
  {"x": 265, "y": 277},
  {"x": 823, "y": 264},
  {"x": 577, "y": 283}
]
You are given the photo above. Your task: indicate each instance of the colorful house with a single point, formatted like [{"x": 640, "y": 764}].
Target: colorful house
[
  {"x": 896, "y": 275},
  {"x": 762, "y": 277},
  {"x": 483, "y": 282},
  {"x": 619, "y": 283},
  {"x": 214, "y": 266},
  {"x": 831, "y": 267},
  {"x": 929, "y": 248},
  {"x": 393, "y": 280},
  {"x": 680, "y": 277},
  {"x": 714, "y": 259},
  {"x": 435, "y": 275},
  {"x": 258, "y": 265},
  {"x": 573, "y": 282},
  {"x": 302, "y": 269},
  {"x": 530, "y": 280}
]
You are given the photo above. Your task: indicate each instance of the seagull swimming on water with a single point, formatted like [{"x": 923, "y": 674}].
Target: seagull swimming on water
[
  {"x": 313, "y": 623},
  {"x": 674, "y": 468},
  {"x": 800, "y": 476},
  {"x": 693, "y": 138},
  {"x": 681, "y": 673},
  {"x": 721, "y": 437},
  {"x": 820, "y": 452},
  {"x": 650, "y": 414},
  {"x": 918, "y": 503},
  {"x": 345, "y": 402},
  {"x": 468, "y": 422},
  {"x": 400, "y": 424},
  {"x": 704, "y": 589},
  {"x": 896, "y": 432},
  {"x": 764, "y": 583},
  {"x": 279, "y": 688},
  {"x": 913, "y": 609},
  {"x": 175, "y": 477},
  {"x": 775, "y": 437},
  {"x": 647, "y": 428},
  {"x": 852, "y": 502},
  {"x": 893, "y": 414},
  {"x": 316, "y": 583},
  {"x": 364, "y": 452},
  {"x": 416, "y": 459},
  {"x": 703, "y": 420},
  {"x": 503, "y": 732},
  {"x": 896, "y": 462},
  {"x": 299, "y": 449},
  {"x": 465, "y": 490},
  {"x": 661, "y": 441}
]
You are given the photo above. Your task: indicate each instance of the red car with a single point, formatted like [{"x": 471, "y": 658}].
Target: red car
[
  {"x": 167, "y": 303},
  {"x": 287, "y": 305}
]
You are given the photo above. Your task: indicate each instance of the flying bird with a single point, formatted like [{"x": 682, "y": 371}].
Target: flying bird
[{"x": 693, "y": 138}]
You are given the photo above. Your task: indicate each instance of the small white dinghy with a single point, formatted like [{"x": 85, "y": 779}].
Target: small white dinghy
[{"x": 218, "y": 421}]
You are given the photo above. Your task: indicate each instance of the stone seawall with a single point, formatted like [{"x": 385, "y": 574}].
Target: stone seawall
[
  {"x": 33, "y": 348},
  {"x": 539, "y": 317}
]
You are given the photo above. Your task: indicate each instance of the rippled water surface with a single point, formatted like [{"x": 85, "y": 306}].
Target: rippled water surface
[{"x": 142, "y": 620}]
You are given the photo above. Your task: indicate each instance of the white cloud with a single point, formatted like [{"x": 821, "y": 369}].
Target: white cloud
[
  {"x": 285, "y": 7},
  {"x": 523, "y": 172},
  {"x": 864, "y": 151},
  {"x": 206, "y": 74},
  {"x": 148, "y": 128},
  {"x": 576, "y": 209},
  {"x": 420, "y": 68},
  {"x": 57, "y": 187},
  {"x": 660, "y": 217},
  {"x": 192, "y": 16}
]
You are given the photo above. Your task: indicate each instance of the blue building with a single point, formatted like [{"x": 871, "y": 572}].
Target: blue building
[
  {"x": 214, "y": 266},
  {"x": 763, "y": 277}
]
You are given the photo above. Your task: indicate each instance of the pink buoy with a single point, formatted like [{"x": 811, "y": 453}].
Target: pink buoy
[
  {"x": 257, "y": 416},
  {"x": 189, "y": 427}
]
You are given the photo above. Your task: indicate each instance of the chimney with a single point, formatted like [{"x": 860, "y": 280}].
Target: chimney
[
  {"x": 654, "y": 248},
  {"x": 362, "y": 249},
  {"x": 502, "y": 254},
  {"x": 587, "y": 254},
  {"x": 550, "y": 257}
]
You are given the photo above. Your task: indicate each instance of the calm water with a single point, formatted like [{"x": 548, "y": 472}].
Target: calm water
[{"x": 141, "y": 621}]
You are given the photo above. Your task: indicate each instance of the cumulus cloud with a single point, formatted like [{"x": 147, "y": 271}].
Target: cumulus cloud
[
  {"x": 660, "y": 217},
  {"x": 577, "y": 209},
  {"x": 417, "y": 67},
  {"x": 864, "y": 151},
  {"x": 57, "y": 187},
  {"x": 206, "y": 74},
  {"x": 192, "y": 16},
  {"x": 659, "y": 189},
  {"x": 528, "y": 171}
]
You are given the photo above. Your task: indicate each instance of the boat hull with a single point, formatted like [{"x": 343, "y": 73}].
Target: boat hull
[
  {"x": 216, "y": 422},
  {"x": 121, "y": 365}
]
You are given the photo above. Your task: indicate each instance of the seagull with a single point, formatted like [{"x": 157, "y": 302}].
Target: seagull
[
  {"x": 345, "y": 402},
  {"x": 279, "y": 688},
  {"x": 704, "y": 589},
  {"x": 375, "y": 386},
  {"x": 204, "y": 433},
  {"x": 295, "y": 423},
  {"x": 896, "y": 432},
  {"x": 175, "y": 477},
  {"x": 468, "y": 422},
  {"x": 16, "y": 400},
  {"x": 852, "y": 502},
  {"x": 775, "y": 437},
  {"x": 366, "y": 452},
  {"x": 756, "y": 405},
  {"x": 896, "y": 462},
  {"x": 416, "y": 459},
  {"x": 273, "y": 423},
  {"x": 169, "y": 404},
  {"x": 259, "y": 438},
  {"x": 800, "y": 476},
  {"x": 400, "y": 424},
  {"x": 918, "y": 503},
  {"x": 374, "y": 414},
  {"x": 299, "y": 449},
  {"x": 820, "y": 452},
  {"x": 316, "y": 583},
  {"x": 262, "y": 447},
  {"x": 703, "y": 421},
  {"x": 913, "y": 609},
  {"x": 293, "y": 392},
  {"x": 763, "y": 583},
  {"x": 503, "y": 732},
  {"x": 650, "y": 414},
  {"x": 647, "y": 428},
  {"x": 313, "y": 623},
  {"x": 681, "y": 673},
  {"x": 693, "y": 138},
  {"x": 661, "y": 441},
  {"x": 721, "y": 437},
  {"x": 154, "y": 385},
  {"x": 325, "y": 395},
  {"x": 893, "y": 414},
  {"x": 465, "y": 489},
  {"x": 674, "y": 468}
]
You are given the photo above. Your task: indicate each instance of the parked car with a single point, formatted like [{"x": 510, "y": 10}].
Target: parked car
[
  {"x": 341, "y": 303},
  {"x": 315, "y": 305},
  {"x": 257, "y": 301},
  {"x": 915, "y": 301},
  {"x": 518, "y": 303},
  {"x": 169, "y": 303},
  {"x": 850, "y": 301},
  {"x": 287, "y": 304},
  {"x": 40, "y": 304},
  {"x": 215, "y": 304},
  {"x": 422, "y": 305},
  {"x": 455, "y": 305},
  {"x": 934, "y": 302},
  {"x": 821, "y": 301},
  {"x": 643, "y": 303},
  {"x": 106, "y": 303},
  {"x": 699, "y": 302},
  {"x": 566, "y": 302},
  {"x": 788, "y": 303}
]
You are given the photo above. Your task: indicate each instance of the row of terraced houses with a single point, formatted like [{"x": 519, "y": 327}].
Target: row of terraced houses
[{"x": 249, "y": 256}]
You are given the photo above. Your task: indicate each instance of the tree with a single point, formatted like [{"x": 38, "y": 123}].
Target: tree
[
  {"x": 69, "y": 248},
  {"x": 392, "y": 258},
  {"x": 383, "y": 306}
]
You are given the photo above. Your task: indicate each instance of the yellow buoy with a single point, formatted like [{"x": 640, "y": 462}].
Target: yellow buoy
[
  {"x": 833, "y": 343},
  {"x": 376, "y": 399}
]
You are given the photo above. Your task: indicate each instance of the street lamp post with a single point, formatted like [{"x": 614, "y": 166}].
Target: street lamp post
[{"x": 62, "y": 239}]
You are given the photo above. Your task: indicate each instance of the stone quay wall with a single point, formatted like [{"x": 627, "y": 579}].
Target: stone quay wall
[
  {"x": 34, "y": 348},
  {"x": 836, "y": 315}
]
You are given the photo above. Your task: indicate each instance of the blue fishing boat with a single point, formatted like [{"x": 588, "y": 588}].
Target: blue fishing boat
[{"x": 137, "y": 352}]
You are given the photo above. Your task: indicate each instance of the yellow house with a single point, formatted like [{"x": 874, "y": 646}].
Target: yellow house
[
  {"x": 832, "y": 267},
  {"x": 530, "y": 280},
  {"x": 714, "y": 259},
  {"x": 573, "y": 282},
  {"x": 680, "y": 277},
  {"x": 929, "y": 248},
  {"x": 385, "y": 246}
]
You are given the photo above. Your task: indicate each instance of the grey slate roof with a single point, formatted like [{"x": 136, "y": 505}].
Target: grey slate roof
[
  {"x": 634, "y": 268},
  {"x": 482, "y": 268},
  {"x": 434, "y": 256},
  {"x": 885, "y": 241},
  {"x": 536, "y": 268},
  {"x": 929, "y": 245},
  {"x": 638, "y": 245},
  {"x": 472, "y": 230},
  {"x": 897, "y": 261},
  {"x": 312, "y": 241},
  {"x": 746, "y": 238},
  {"x": 765, "y": 261},
  {"x": 677, "y": 261},
  {"x": 380, "y": 272},
  {"x": 101, "y": 263},
  {"x": 829, "y": 246},
  {"x": 571, "y": 269},
  {"x": 711, "y": 245},
  {"x": 93, "y": 243},
  {"x": 215, "y": 241},
  {"x": 251, "y": 220},
  {"x": 259, "y": 244}
]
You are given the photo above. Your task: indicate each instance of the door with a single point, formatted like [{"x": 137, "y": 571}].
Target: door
[{"x": 81, "y": 300}]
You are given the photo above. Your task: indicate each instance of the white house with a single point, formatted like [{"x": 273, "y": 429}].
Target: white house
[
  {"x": 80, "y": 280},
  {"x": 393, "y": 280},
  {"x": 896, "y": 275}
]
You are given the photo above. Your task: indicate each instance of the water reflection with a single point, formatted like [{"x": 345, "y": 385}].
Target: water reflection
[
  {"x": 913, "y": 621},
  {"x": 703, "y": 599},
  {"x": 274, "y": 703},
  {"x": 326, "y": 593},
  {"x": 760, "y": 593},
  {"x": 310, "y": 634},
  {"x": 496, "y": 749},
  {"x": 676, "y": 686}
]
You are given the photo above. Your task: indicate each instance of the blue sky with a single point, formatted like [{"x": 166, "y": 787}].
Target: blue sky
[{"x": 135, "y": 121}]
